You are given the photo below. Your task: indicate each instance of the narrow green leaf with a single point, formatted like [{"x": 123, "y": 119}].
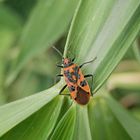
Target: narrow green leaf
[
  {"x": 65, "y": 128},
  {"x": 103, "y": 29},
  {"x": 130, "y": 124},
  {"x": 13, "y": 113},
  {"x": 103, "y": 123},
  {"x": 47, "y": 22},
  {"x": 82, "y": 128},
  {"x": 39, "y": 125}
]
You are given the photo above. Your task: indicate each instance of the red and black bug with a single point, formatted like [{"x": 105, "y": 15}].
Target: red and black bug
[{"x": 75, "y": 80}]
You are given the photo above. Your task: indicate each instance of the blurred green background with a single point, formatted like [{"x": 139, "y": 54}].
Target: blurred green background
[{"x": 39, "y": 72}]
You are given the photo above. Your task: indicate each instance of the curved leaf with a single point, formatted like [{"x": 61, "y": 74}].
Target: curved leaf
[
  {"x": 39, "y": 125},
  {"x": 103, "y": 29},
  {"x": 13, "y": 113},
  {"x": 82, "y": 128},
  {"x": 65, "y": 128},
  {"x": 103, "y": 123},
  {"x": 131, "y": 125}
]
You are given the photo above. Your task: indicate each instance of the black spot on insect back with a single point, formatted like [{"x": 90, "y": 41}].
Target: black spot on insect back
[
  {"x": 70, "y": 76},
  {"x": 72, "y": 88},
  {"x": 83, "y": 83}
]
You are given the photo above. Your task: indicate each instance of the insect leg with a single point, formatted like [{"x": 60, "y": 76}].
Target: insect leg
[
  {"x": 73, "y": 59},
  {"x": 60, "y": 93},
  {"x": 58, "y": 65},
  {"x": 87, "y": 62},
  {"x": 90, "y": 75},
  {"x": 58, "y": 75}
]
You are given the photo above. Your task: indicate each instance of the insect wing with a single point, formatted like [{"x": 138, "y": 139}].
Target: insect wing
[
  {"x": 82, "y": 97},
  {"x": 82, "y": 83},
  {"x": 83, "y": 90}
]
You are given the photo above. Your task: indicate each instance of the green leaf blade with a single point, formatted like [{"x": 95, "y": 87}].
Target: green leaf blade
[
  {"x": 130, "y": 124},
  {"x": 82, "y": 127},
  {"x": 13, "y": 113},
  {"x": 39, "y": 125},
  {"x": 111, "y": 38},
  {"x": 65, "y": 127},
  {"x": 103, "y": 123}
]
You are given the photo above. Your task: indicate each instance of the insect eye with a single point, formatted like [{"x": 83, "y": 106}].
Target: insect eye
[{"x": 83, "y": 83}]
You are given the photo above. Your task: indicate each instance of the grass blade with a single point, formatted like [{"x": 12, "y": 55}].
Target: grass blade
[
  {"x": 103, "y": 123},
  {"x": 106, "y": 32},
  {"x": 39, "y": 125},
  {"x": 13, "y": 113},
  {"x": 131, "y": 125},
  {"x": 65, "y": 128}
]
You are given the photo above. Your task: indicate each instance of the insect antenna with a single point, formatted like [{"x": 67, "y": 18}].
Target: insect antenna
[{"x": 57, "y": 51}]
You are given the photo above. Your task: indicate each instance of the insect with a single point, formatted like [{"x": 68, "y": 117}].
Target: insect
[{"x": 75, "y": 80}]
